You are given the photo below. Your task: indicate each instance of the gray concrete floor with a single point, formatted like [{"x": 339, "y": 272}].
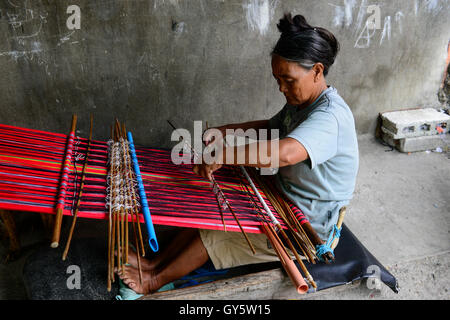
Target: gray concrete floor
[{"x": 400, "y": 212}]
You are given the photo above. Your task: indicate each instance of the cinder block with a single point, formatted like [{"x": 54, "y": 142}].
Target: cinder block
[
  {"x": 414, "y": 123},
  {"x": 415, "y": 144}
]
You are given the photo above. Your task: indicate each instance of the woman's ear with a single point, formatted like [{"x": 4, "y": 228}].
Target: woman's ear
[{"x": 318, "y": 71}]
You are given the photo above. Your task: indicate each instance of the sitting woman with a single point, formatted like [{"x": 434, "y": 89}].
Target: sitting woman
[{"x": 317, "y": 157}]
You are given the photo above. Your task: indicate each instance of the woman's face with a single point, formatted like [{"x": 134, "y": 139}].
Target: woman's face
[{"x": 295, "y": 82}]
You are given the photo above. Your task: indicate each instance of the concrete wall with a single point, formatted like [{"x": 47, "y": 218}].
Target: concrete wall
[{"x": 148, "y": 61}]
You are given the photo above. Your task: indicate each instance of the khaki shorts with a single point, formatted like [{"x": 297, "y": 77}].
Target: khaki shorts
[{"x": 230, "y": 249}]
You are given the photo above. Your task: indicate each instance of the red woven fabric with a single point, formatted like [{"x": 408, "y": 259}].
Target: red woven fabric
[{"x": 30, "y": 170}]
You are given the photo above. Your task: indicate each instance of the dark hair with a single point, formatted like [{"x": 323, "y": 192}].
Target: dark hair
[{"x": 304, "y": 44}]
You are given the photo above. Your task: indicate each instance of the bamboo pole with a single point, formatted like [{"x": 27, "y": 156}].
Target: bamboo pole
[
  {"x": 289, "y": 266},
  {"x": 252, "y": 248},
  {"x": 278, "y": 226},
  {"x": 110, "y": 223},
  {"x": 221, "y": 213},
  {"x": 131, "y": 202},
  {"x": 218, "y": 201},
  {"x": 219, "y": 190},
  {"x": 290, "y": 219},
  {"x": 61, "y": 196},
  {"x": 83, "y": 177},
  {"x": 281, "y": 206},
  {"x": 342, "y": 212}
]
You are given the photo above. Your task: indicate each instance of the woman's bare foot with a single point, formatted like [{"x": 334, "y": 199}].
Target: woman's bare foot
[
  {"x": 166, "y": 267},
  {"x": 149, "y": 283},
  {"x": 146, "y": 264}
]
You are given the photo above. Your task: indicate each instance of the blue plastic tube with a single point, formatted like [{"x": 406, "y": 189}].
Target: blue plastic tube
[{"x": 144, "y": 204}]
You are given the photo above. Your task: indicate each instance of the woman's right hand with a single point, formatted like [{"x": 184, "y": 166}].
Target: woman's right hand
[
  {"x": 216, "y": 134},
  {"x": 206, "y": 170}
]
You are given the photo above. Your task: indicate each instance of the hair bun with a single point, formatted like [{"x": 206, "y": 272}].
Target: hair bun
[
  {"x": 293, "y": 25},
  {"x": 330, "y": 38},
  {"x": 305, "y": 44}
]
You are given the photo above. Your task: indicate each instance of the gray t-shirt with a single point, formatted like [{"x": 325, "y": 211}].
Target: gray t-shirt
[{"x": 324, "y": 182}]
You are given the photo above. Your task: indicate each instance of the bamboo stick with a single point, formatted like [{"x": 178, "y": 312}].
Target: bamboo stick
[
  {"x": 342, "y": 212},
  {"x": 281, "y": 251},
  {"x": 130, "y": 188},
  {"x": 217, "y": 187},
  {"x": 83, "y": 177},
  {"x": 60, "y": 206},
  {"x": 309, "y": 234},
  {"x": 218, "y": 201},
  {"x": 277, "y": 202},
  {"x": 116, "y": 211},
  {"x": 130, "y": 194},
  {"x": 290, "y": 220},
  {"x": 113, "y": 244},
  {"x": 122, "y": 212},
  {"x": 288, "y": 265},
  {"x": 252, "y": 248},
  {"x": 278, "y": 226},
  {"x": 135, "y": 202},
  {"x": 221, "y": 214},
  {"x": 110, "y": 257}
]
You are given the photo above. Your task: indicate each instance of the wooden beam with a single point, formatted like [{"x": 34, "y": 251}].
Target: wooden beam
[
  {"x": 265, "y": 285},
  {"x": 10, "y": 226},
  {"x": 48, "y": 220},
  {"x": 259, "y": 285}
]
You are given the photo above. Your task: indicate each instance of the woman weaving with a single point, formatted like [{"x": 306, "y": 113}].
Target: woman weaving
[{"x": 317, "y": 160}]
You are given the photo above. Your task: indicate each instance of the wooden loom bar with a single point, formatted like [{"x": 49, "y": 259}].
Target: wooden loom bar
[
  {"x": 62, "y": 191},
  {"x": 291, "y": 269},
  {"x": 218, "y": 191},
  {"x": 339, "y": 225},
  {"x": 110, "y": 228},
  {"x": 135, "y": 203},
  {"x": 292, "y": 223},
  {"x": 83, "y": 177},
  {"x": 288, "y": 264},
  {"x": 284, "y": 256},
  {"x": 286, "y": 238},
  {"x": 252, "y": 248},
  {"x": 131, "y": 203}
]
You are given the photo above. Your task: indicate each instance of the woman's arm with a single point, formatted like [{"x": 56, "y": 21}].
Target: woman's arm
[
  {"x": 256, "y": 125},
  {"x": 261, "y": 154},
  {"x": 265, "y": 154}
]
